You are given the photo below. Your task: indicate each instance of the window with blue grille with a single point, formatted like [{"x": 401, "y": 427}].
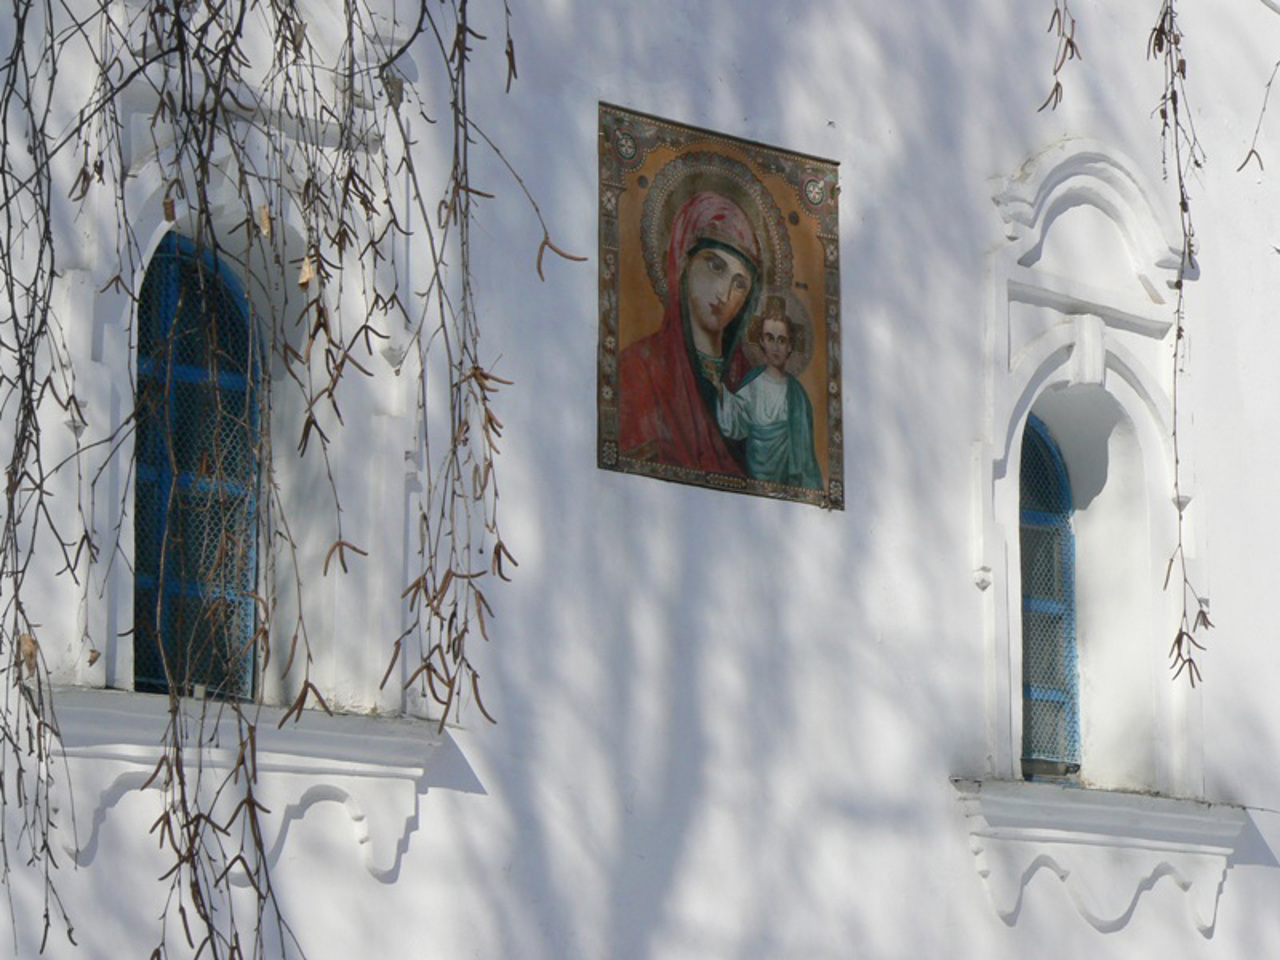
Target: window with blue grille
[
  {"x": 195, "y": 494},
  {"x": 1050, "y": 675}
]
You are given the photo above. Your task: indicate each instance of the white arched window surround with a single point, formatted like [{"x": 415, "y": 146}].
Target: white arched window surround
[
  {"x": 1080, "y": 333},
  {"x": 1087, "y": 346},
  {"x": 375, "y": 767}
]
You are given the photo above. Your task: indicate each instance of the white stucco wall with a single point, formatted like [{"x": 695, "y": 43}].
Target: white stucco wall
[{"x": 728, "y": 727}]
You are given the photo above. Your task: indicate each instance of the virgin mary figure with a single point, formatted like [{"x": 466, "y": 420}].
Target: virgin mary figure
[{"x": 669, "y": 381}]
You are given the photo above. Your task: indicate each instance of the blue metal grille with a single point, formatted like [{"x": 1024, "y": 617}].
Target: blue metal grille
[
  {"x": 195, "y": 526},
  {"x": 1050, "y": 685}
]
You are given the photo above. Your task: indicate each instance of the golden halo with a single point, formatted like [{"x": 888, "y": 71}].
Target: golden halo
[
  {"x": 798, "y": 311},
  {"x": 699, "y": 172}
]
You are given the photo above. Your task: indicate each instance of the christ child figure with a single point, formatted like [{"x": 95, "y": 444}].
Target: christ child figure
[{"x": 771, "y": 410}]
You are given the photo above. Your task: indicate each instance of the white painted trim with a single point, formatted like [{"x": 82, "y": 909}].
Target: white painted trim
[
  {"x": 1048, "y": 332},
  {"x": 1120, "y": 311},
  {"x": 1078, "y": 172},
  {"x": 118, "y": 724},
  {"x": 1106, "y": 847},
  {"x": 376, "y": 769}
]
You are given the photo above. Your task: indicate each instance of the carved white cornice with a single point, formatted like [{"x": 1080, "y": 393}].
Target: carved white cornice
[
  {"x": 1107, "y": 848},
  {"x": 1072, "y": 173},
  {"x": 1129, "y": 313},
  {"x": 376, "y": 769}
]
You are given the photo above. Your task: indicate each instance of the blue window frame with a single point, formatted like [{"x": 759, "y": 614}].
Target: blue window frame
[
  {"x": 195, "y": 494},
  {"x": 1050, "y": 672}
]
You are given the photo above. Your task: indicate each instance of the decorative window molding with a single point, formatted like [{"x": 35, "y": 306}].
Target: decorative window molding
[
  {"x": 1079, "y": 172},
  {"x": 1080, "y": 334},
  {"x": 349, "y": 657},
  {"x": 1081, "y": 337},
  {"x": 1107, "y": 848},
  {"x": 376, "y": 769}
]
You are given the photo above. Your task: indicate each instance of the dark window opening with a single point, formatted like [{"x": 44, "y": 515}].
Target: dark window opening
[
  {"x": 195, "y": 494},
  {"x": 1050, "y": 674}
]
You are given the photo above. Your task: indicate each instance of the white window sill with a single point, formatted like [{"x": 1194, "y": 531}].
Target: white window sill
[
  {"x": 118, "y": 724},
  {"x": 1106, "y": 847},
  {"x": 378, "y": 769}
]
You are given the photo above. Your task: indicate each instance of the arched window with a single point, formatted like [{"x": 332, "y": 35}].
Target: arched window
[
  {"x": 195, "y": 517},
  {"x": 1050, "y": 686}
]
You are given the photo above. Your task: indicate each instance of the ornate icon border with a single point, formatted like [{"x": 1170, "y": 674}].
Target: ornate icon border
[{"x": 801, "y": 203}]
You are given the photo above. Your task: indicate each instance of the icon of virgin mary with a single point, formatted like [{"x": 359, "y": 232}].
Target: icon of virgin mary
[{"x": 710, "y": 249}]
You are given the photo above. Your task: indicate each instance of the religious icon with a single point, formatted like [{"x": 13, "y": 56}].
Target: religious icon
[{"x": 719, "y": 311}]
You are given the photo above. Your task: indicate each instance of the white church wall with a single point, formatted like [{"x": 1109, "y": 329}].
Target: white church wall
[{"x": 728, "y": 726}]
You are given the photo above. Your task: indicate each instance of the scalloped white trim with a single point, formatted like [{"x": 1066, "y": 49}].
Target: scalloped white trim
[
  {"x": 1107, "y": 848},
  {"x": 376, "y": 769}
]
